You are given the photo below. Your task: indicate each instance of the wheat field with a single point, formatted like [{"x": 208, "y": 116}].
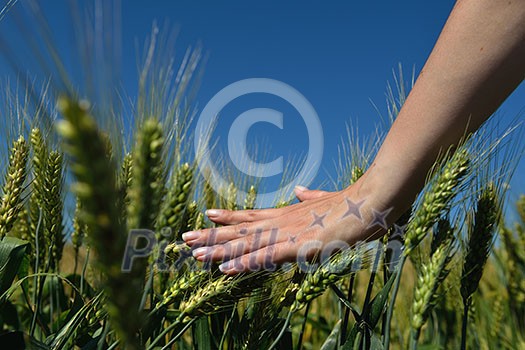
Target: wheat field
[{"x": 77, "y": 178}]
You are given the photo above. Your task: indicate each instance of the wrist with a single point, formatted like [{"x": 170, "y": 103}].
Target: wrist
[{"x": 383, "y": 190}]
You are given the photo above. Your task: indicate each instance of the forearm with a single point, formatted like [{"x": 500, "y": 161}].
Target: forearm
[{"x": 478, "y": 61}]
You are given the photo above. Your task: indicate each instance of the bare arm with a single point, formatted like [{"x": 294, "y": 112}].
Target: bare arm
[{"x": 478, "y": 61}]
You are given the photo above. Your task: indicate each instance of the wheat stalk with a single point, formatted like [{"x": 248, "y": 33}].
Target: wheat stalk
[
  {"x": 96, "y": 188},
  {"x": 435, "y": 201},
  {"x": 480, "y": 240},
  {"x": 431, "y": 276}
]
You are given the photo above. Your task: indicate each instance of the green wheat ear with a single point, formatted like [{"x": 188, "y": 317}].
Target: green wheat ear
[
  {"x": 124, "y": 182},
  {"x": 513, "y": 261},
  {"x": 40, "y": 153},
  {"x": 251, "y": 198},
  {"x": 210, "y": 197},
  {"x": 79, "y": 229},
  {"x": 219, "y": 294},
  {"x": 21, "y": 226},
  {"x": 190, "y": 216},
  {"x": 173, "y": 210},
  {"x": 482, "y": 230},
  {"x": 356, "y": 174},
  {"x": 344, "y": 263},
  {"x": 432, "y": 275},
  {"x": 13, "y": 186},
  {"x": 520, "y": 205},
  {"x": 96, "y": 188},
  {"x": 480, "y": 240},
  {"x": 231, "y": 197},
  {"x": 147, "y": 187},
  {"x": 53, "y": 205},
  {"x": 436, "y": 199}
]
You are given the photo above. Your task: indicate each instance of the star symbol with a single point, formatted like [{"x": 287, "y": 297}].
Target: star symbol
[
  {"x": 292, "y": 238},
  {"x": 380, "y": 218},
  {"x": 398, "y": 231},
  {"x": 318, "y": 219},
  {"x": 353, "y": 209}
]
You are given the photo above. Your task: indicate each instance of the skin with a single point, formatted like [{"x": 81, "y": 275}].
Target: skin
[{"x": 478, "y": 60}]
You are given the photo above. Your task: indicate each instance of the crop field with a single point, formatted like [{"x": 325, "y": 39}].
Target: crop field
[{"x": 93, "y": 205}]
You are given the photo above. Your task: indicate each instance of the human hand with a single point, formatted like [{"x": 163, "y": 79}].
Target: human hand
[{"x": 260, "y": 239}]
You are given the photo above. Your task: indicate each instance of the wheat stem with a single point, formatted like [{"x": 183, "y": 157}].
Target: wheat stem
[{"x": 96, "y": 188}]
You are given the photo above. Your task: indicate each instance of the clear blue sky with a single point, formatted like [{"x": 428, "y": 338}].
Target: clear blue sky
[{"x": 338, "y": 54}]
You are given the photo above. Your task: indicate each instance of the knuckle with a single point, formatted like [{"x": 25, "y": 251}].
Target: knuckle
[
  {"x": 250, "y": 215},
  {"x": 228, "y": 215},
  {"x": 241, "y": 229},
  {"x": 210, "y": 237},
  {"x": 249, "y": 240}
]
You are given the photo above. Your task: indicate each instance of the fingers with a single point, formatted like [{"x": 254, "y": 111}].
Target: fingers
[
  {"x": 220, "y": 235},
  {"x": 228, "y": 217},
  {"x": 267, "y": 258},
  {"x": 303, "y": 193},
  {"x": 241, "y": 246}
]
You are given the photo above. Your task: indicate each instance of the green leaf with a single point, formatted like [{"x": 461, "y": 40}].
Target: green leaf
[
  {"x": 12, "y": 251},
  {"x": 23, "y": 271},
  {"x": 346, "y": 302},
  {"x": 202, "y": 335},
  {"x": 377, "y": 307},
  {"x": 376, "y": 343},
  {"x": 76, "y": 280},
  {"x": 378, "y": 304},
  {"x": 154, "y": 323},
  {"x": 331, "y": 342},
  {"x": 352, "y": 337},
  {"x": 358, "y": 341},
  {"x": 68, "y": 331},
  {"x": 75, "y": 307},
  {"x": 54, "y": 288}
]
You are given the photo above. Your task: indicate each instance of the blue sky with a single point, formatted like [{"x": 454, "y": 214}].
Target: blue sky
[{"x": 338, "y": 54}]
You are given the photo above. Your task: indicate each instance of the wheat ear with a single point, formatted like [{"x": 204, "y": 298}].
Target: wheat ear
[{"x": 15, "y": 177}]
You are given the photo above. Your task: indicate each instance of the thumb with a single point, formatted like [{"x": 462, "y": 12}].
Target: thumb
[{"x": 302, "y": 193}]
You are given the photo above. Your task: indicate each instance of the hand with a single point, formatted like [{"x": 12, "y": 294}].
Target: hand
[{"x": 259, "y": 239}]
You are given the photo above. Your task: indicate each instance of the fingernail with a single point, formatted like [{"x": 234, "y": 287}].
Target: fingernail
[
  {"x": 301, "y": 188},
  {"x": 201, "y": 252},
  {"x": 225, "y": 267},
  {"x": 213, "y": 212},
  {"x": 189, "y": 236}
]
